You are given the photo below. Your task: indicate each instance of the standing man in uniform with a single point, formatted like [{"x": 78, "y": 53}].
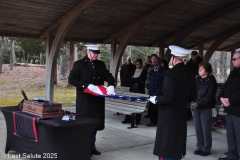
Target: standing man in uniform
[
  {"x": 177, "y": 88},
  {"x": 126, "y": 72},
  {"x": 230, "y": 98},
  {"x": 88, "y": 73}
]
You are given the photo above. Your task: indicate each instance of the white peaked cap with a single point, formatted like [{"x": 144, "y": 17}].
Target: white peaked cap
[
  {"x": 178, "y": 51},
  {"x": 93, "y": 47}
]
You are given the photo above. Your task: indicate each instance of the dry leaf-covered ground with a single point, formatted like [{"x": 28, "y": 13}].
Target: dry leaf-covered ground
[
  {"x": 25, "y": 75},
  {"x": 30, "y": 79}
]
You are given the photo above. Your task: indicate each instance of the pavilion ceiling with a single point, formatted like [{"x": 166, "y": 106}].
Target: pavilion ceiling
[{"x": 188, "y": 23}]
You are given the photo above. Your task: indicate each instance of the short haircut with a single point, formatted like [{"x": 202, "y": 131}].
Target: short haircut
[
  {"x": 154, "y": 55},
  {"x": 207, "y": 66},
  {"x": 194, "y": 53}
]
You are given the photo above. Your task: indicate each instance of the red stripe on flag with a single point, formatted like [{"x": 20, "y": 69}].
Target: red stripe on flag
[{"x": 103, "y": 89}]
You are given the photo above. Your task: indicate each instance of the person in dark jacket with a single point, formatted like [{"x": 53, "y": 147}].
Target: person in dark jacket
[
  {"x": 148, "y": 63},
  {"x": 202, "y": 108},
  {"x": 177, "y": 90},
  {"x": 137, "y": 85},
  {"x": 138, "y": 79},
  {"x": 230, "y": 98},
  {"x": 156, "y": 75},
  {"x": 192, "y": 64},
  {"x": 164, "y": 64},
  {"x": 126, "y": 72},
  {"x": 88, "y": 73}
]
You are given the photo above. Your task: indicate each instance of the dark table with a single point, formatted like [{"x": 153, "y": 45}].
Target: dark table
[{"x": 57, "y": 139}]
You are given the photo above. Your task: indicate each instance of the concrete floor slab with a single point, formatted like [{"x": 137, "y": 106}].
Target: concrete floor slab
[{"x": 117, "y": 142}]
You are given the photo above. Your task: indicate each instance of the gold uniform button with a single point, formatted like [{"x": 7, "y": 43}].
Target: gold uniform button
[
  {"x": 93, "y": 67},
  {"x": 82, "y": 86},
  {"x": 94, "y": 77},
  {"x": 99, "y": 77}
]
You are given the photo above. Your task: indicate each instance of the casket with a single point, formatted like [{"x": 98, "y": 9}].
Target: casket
[{"x": 43, "y": 109}]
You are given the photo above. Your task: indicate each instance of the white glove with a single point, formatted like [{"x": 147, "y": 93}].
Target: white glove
[
  {"x": 92, "y": 88},
  {"x": 153, "y": 99},
  {"x": 110, "y": 90}
]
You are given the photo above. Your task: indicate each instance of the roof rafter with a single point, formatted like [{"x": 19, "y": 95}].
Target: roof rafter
[
  {"x": 184, "y": 32},
  {"x": 146, "y": 19},
  {"x": 213, "y": 38},
  {"x": 219, "y": 41},
  {"x": 229, "y": 47}
]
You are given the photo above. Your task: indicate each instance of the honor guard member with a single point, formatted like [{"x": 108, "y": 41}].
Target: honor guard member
[
  {"x": 88, "y": 73},
  {"x": 177, "y": 88}
]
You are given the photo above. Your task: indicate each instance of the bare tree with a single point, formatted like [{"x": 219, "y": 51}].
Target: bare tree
[{"x": 1, "y": 52}]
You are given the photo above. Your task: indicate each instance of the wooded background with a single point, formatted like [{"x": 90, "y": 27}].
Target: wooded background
[{"x": 32, "y": 51}]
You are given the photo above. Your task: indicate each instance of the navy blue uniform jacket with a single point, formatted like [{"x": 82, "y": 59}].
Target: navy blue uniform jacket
[{"x": 87, "y": 72}]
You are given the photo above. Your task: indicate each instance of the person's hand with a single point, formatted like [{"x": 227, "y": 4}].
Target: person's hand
[
  {"x": 110, "y": 90},
  {"x": 92, "y": 87},
  {"x": 225, "y": 102},
  {"x": 152, "y": 99},
  {"x": 193, "y": 106}
]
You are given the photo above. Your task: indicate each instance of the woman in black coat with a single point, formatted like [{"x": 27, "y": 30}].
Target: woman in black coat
[
  {"x": 137, "y": 82},
  {"x": 137, "y": 85},
  {"x": 202, "y": 108}
]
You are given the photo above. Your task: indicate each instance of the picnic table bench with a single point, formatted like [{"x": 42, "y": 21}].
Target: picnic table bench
[{"x": 127, "y": 107}]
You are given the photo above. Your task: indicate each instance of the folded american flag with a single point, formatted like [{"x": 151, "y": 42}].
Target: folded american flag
[{"x": 102, "y": 92}]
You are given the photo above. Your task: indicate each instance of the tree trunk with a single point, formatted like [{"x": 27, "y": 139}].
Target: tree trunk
[
  {"x": 71, "y": 58},
  {"x": 1, "y": 52},
  {"x": 64, "y": 64},
  {"x": 12, "y": 56},
  {"x": 41, "y": 59},
  {"x": 13, "y": 52}
]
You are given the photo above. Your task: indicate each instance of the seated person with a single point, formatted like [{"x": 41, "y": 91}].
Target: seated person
[{"x": 137, "y": 85}]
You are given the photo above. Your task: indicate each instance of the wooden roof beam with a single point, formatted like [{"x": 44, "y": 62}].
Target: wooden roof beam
[
  {"x": 184, "y": 32},
  {"x": 219, "y": 41},
  {"x": 213, "y": 38},
  {"x": 146, "y": 19},
  {"x": 229, "y": 47}
]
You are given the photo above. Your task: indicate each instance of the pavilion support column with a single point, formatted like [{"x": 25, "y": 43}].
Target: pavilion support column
[
  {"x": 65, "y": 24},
  {"x": 233, "y": 50},
  {"x": 112, "y": 54},
  {"x": 201, "y": 50},
  {"x": 118, "y": 54},
  {"x": 49, "y": 77},
  {"x": 161, "y": 49}
]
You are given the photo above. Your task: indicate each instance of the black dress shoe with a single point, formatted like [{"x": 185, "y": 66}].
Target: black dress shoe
[
  {"x": 125, "y": 122},
  {"x": 127, "y": 119},
  {"x": 197, "y": 152},
  {"x": 95, "y": 152},
  {"x": 204, "y": 153},
  {"x": 151, "y": 124}
]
